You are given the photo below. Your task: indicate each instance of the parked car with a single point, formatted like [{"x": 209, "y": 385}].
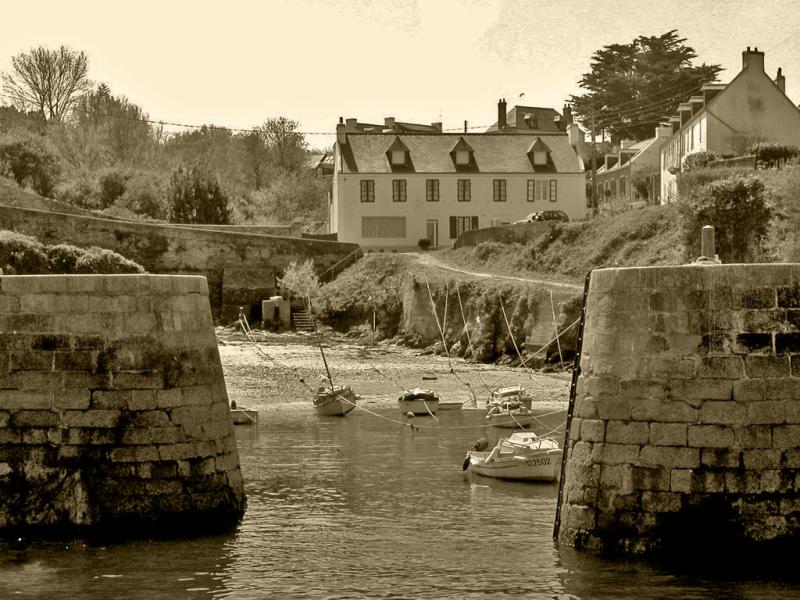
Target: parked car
[{"x": 545, "y": 215}]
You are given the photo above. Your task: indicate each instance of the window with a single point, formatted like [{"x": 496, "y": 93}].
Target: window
[
  {"x": 398, "y": 190},
  {"x": 398, "y": 157},
  {"x": 538, "y": 190},
  {"x": 622, "y": 193},
  {"x": 462, "y": 157},
  {"x": 553, "y": 190},
  {"x": 539, "y": 157},
  {"x": 432, "y": 190},
  {"x": 368, "y": 190},
  {"x": 464, "y": 190},
  {"x": 383, "y": 227},
  {"x": 499, "y": 190},
  {"x": 459, "y": 225}
]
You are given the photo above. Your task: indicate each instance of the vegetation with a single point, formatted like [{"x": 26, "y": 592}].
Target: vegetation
[
  {"x": 773, "y": 154},
  {"x": 28, "y": 159},
  {"x": 300, "y": 280},
  {"x": 194, "y": 196},
  {"x": 630, "y": 87},
  {"x": 25, "y": 255}
]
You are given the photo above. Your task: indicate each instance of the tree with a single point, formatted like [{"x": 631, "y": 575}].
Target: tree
[
  {"x": 300, "y": 280},
  {"x": 290, "y": 196},
  {"x": 49, "y": 81},
  {"x": 195, "y": 196},
  {"x": 29, "y": 160},
  {"x": 631, "y": 87},
  {"x": 286, "y": 147}
]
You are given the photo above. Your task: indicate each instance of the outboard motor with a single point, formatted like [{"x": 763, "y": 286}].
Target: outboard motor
[{"x": 481, "y": 444}]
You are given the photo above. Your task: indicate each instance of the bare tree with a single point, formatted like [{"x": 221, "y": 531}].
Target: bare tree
[
  {"x": 47, "y": 80},
  {"x": 286, "y": 146}
]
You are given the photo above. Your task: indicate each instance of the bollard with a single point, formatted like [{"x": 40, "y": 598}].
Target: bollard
[{"x": 707, "y": 243}]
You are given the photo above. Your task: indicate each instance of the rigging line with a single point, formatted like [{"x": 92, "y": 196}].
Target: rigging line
[
  {"x": 555, "y": 326},
  {"x": 469, "y": 340},
  {"x": 508, "y": 326}
]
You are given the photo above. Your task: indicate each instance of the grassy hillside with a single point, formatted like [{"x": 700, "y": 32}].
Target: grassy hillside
[{"x": 569, "y": 250}]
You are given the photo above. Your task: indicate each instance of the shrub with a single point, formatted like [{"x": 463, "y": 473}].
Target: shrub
[
  {"x": 82, "y": 192},
  {"x": 144, "y": 196},
  {"x": 101, "y": 260},
  {"x": 485, "y": 250},
  {"x": 736, "y": 208},
  {"x": 424, "y": 244},
  {"x": 63, "y": 258},
  {"x": 112, "y": 185},
  {"x": 195, "y": 196},
  {"x": 300, "y": 280},
  {"x": 21, "y": 254},
  {"x": 697, "y": 160},
  {"x": 30, "y": 160},
  {"x": 773, "y": 154}
]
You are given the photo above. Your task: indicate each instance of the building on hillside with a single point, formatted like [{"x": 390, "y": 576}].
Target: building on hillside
[
  {"x": 632, "y": 173},
  {"x": 722, "y": 118},
  {"x": 526, "y": 119},
  {"x": 391, "y": 190},
  {"x": 321, "y": 164},
  {"x": 390, "y": 125}
]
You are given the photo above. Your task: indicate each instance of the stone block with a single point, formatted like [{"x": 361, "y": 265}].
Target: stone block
[
  {"x": 35, "y": 437},
  {"x": 197, "y": 396},
  {"x": 136, "y": 437},
  {"x": 672, "y": 457},
  {"x": 720, "y": 367},
  {"x": 648, "y": 478},
  {"x": 227, "y": 462},
  {"x": 668, "y": 434},
  {"x": 157, "y": 487},
  {"x": 771, "y": 411},
  {"x": 74, "y": 399},
  {"x": 788, "y": 296},
  {"x": 580, "y": 517},
  {"x": 762, "y": 481},
  {"x": 786, "y": 436},
  {"x": 762, "y": 459},
  {"x": 709, "y": 482},
  {"x": 760, "y": 297},
  {"x": 695, "y": 391},
  {"x": 586, "y": 408},
  {"x": 111, "y": 399},
  {"x": 753, "y": 343},
  {"x": 723, "y": 413},
  {"x": 151, "y": 418},
  {"x": 182, "y": 451},
  {"x": 754, "y": 436},
  {"x": 37, "y": 380},
  {"x": 792, "y": 411},
  {"x": 757, "y": 367},
  {"x": 5, "y": 417},
  {"x": 669, "y": 411},
  {"x": 791, "y": 458},
  {"x": 126, "y": 454},
  {"x": 91, "y": 418},
  {"x": 614, "y": 407},
  {"x": 615, "y": 454},
  {"x": 31, "y": 360},
  {"x": 680, "y": 480},
  {"x": 659, "y": 502},
  {"x": 142, "y": 400},
  {"x": 90, "y": 437},
  {"x": 167, "y": 435},
  {"x": 157, "y": 470},
  {"x": 26, "y": 399},
  {"x": 592, "y": 430},
  {"x": 643, "y": 389},
  {"x": 170, "y": 398},
  {"x": 601, "y": 386},
  {"x": 130, "y": 380},
  {"x": 710, "y": 436},
  {"x": 787, "y": 343},
  {"x": 627, "y": 432},
  {"x": 35, "y": 418}
]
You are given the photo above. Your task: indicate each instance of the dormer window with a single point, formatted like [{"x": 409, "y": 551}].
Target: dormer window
[
  {"x": 398, "y": 157},
  {"x": 539, "y": 155},
  {"x": 462, "y": 157}
]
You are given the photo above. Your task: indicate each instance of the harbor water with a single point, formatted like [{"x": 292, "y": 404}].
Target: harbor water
[{"x": 361, "y": 507}]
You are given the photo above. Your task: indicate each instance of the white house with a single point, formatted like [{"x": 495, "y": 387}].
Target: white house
[{"x": 390, "y": 190}]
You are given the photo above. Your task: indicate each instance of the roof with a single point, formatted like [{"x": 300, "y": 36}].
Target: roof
[
  {"x": 492, "y": 153},
  {"x": 529, "y": 118},
  {"x": 634, "y": 149}
]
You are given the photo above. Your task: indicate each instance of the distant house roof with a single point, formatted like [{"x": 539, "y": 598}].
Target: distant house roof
[
  {"x": 529, "y": 118},
  {"x": 494, "y": 153}
]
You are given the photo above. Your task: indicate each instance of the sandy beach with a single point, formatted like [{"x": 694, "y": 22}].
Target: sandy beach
[{"x": 267, "y": 376}]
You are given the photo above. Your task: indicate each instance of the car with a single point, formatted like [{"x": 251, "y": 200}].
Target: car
[{"x": 545, "y": 215}]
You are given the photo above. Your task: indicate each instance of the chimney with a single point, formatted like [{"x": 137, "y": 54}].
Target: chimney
[
  {"x": 567, "y": 119},
  {"x": 501, "y": 114},
  {"x": 351, "y": 125},
  {"x": 663, "y": 131},
  {"x": 437, "y": 126},
  {"x": 780, "y": 81},
  {"x": 752, "y": 59},
  {"x": 574, "y": 134},
  {"x": 388, "y": 122},
  {"x": 341, "y": 133}
]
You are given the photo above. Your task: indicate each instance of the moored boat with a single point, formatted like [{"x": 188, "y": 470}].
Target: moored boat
[
  {"x": 334, "y": 401},
  {"x": 244, "y": 416},
  {"x": 419, "y": 401},
  {"x": 522, "y": 456},
  {"x": 511, "y": 414},
  {"x": 507, "y": 394}
]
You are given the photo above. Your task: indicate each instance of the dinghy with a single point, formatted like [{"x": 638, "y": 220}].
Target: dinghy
[
  {"x": 507, "y": 394},
  {"x": 419, "y": 401}
]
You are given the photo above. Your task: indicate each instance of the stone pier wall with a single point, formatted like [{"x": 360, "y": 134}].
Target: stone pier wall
[
  {"x": 686, "y": 428},
  {"x": 113, "y": 407}
]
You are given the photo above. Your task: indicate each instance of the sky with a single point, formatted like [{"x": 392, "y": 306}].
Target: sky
[{"x": 239, "y": 62}]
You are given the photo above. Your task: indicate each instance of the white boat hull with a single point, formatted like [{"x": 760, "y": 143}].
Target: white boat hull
[
  {"x": 244, "y": 416},
  {"x": 510, "y": 420},
  {"x": 419, "y": 406},
  {"x": 336, "y": 404},
  {"x": 541, "y": 466}
]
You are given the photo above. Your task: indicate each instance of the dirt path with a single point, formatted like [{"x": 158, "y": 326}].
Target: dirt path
[
  {"x": 430, "y": 261},
  {"x": 269, "y": 380}
]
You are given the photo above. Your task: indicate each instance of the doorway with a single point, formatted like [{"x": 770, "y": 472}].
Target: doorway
[{"x": 432, "y": 232}]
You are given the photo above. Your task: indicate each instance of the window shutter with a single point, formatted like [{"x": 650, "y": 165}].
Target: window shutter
[
  {"x": 474, "y": 223},
  {"x": 453, "y": 228}
]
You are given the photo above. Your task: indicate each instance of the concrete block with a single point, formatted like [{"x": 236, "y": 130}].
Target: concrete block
[
  {"x": 766, "y": 366},
  {"x": 591, "y": 430},
  {"x": 91, "y": 418},
  {"x": 723, "y": 413},
  {"x": 661, "y": 502},
  {"x": 615, "y": 454},
  {"x": 624, "y": 432},
  {"x": 754, "y": 436},
  {"x": 668, "y": 434},
  {"x": 762, "y": 459},
  {"x": 672, "y": 457},
  {"x": 710, "y": 436},
  {"x": 786, "y": 436},
  {"x": 771, "y": 411}
]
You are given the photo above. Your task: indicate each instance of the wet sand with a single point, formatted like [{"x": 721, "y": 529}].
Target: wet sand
[{"x": 267, "y": 377}]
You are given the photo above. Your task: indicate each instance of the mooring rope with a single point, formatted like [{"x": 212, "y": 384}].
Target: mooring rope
[{"x": 469, "y": 342}]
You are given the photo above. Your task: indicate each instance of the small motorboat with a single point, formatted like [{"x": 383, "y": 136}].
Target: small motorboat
[
  {"x": 513, "y": 392},
  {"x": 522, "y": 456},
  {"x": 419, "y": 401},
  {"x": 511, "y": 414},
  {"x": 450, "y": 404},
  {"x": 243, "y": 416},
  {"x": 334, "y": 401}
]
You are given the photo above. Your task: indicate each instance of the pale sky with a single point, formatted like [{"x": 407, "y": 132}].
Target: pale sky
[{"x": 239, "y": 62}]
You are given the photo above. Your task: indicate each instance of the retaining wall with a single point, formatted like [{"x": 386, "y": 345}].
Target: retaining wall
[
  {"x": 167, "y": 249},
  {"x": 113, "y": 407},
  {"x": 686, "y": 428},
  {"x": 507, "y": 234}
]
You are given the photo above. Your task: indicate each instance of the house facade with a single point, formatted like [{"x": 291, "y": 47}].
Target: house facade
[
  {"x": 632, "y": 173},
  {"x": 724, "y": 117},
  {"x": 391, "y": 190}
]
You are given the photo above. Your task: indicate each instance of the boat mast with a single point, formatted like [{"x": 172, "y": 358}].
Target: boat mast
[{"x": 319, "y": 342}]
